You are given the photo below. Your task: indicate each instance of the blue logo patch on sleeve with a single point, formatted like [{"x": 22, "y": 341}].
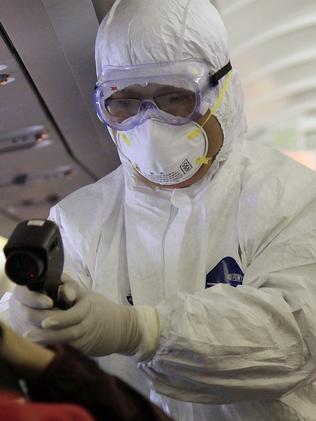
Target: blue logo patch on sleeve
[{"x": 226, "y": 271}]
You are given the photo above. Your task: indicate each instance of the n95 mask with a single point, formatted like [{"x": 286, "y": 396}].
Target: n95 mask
[{"x": 164, "y": 153}]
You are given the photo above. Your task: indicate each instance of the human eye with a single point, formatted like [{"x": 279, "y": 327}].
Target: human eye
[
  {"x": 121, "y": 109},
  {"x": 175, "y": 97},
  {"x": 115, "y": 105},
  {"x": 177, "y": 103},
  {"x": 172, "y": 98}
]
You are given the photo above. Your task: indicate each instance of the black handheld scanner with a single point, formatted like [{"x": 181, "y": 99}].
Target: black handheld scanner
[{"x": 35, "y": 256}]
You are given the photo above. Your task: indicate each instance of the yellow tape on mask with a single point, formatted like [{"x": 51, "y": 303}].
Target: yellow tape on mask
[
  {"x": 203, "y": 160},
  {"x": 195, "y": 133},
  {"x": 126, "y": 139}
]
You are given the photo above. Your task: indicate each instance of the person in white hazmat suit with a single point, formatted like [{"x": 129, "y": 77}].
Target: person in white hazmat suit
[{"x": 210, "y": 237}]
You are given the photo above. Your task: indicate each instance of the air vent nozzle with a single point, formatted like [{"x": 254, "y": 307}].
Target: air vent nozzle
[{"x": 29, "y": 137}]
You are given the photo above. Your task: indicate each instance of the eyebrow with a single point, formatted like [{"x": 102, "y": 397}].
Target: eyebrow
[{"x": 140, "y": 91}]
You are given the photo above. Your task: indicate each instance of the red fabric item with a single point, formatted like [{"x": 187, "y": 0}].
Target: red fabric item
[{"x": 16, "y": 408}]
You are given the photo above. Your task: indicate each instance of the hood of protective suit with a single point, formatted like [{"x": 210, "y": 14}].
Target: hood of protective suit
[{"x": 154, "y": 31}]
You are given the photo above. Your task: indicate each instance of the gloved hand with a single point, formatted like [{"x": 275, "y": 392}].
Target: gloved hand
[{"x": 94, "y": 324}]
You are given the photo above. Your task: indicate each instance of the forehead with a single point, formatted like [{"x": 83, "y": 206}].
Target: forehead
[{"x": 147, "y": 90}]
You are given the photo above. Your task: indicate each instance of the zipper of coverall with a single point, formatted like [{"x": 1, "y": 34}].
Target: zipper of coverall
[{"x": 172, "y": 215}]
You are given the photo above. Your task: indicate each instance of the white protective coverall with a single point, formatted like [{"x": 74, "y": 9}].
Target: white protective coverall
[{"x": 229, "y": 262}]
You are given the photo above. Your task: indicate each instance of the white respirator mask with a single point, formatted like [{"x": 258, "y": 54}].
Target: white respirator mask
[{"x": 164, "y": 153}]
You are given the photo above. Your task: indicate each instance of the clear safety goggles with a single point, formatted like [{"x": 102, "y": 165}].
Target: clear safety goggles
[{"x": 171, "y": 92}]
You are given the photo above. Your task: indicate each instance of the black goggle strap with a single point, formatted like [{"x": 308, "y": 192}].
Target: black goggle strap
[{"x": 214, "y": 79}]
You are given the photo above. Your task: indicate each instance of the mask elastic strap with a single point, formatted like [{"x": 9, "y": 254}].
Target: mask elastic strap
[
  {"x": 222, "y": 92},
  {"x": 192, "y": 135},
  {"x": 220, "y": 96},
  {"x": 205, "y": 159}
]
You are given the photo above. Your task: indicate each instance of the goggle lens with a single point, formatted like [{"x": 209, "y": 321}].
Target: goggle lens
[
  {"x": 121, "y": 109},
  {"x": 178, "y": 104}
]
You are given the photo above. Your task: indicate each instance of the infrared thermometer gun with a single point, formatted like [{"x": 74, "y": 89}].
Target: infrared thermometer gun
[{"x": 35, "y": 257}]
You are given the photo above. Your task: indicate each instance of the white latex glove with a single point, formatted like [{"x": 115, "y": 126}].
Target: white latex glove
[{"x": 94, "y": 324}]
